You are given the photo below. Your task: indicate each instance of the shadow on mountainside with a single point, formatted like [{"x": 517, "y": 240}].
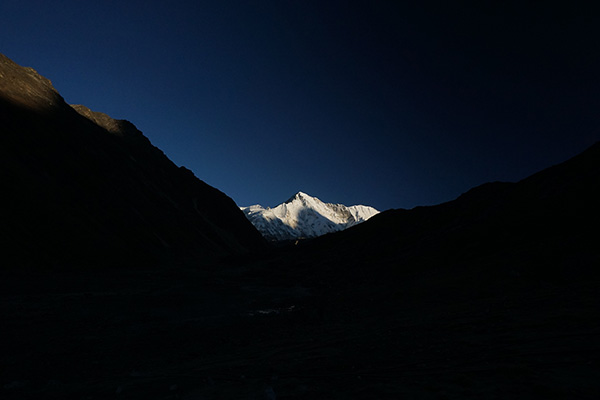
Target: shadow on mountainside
[
  {"x": 77, "y": 194},
  {"x": 493, "y": 295}
]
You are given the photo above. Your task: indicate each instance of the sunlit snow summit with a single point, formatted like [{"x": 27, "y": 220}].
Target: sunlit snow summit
[{"x": 304, "y": 216}]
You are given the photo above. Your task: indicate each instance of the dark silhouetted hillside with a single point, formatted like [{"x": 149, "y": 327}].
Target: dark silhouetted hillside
[
  {"x": 543, "y": 227},
  {"x": 79, "y": 187}
]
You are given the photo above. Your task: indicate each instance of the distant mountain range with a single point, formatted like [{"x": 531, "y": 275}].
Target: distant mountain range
[{"x": 305, "y": 216}]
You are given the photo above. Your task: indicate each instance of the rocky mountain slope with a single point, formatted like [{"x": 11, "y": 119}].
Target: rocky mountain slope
[
  {"x": 304, "y": 216},
  {"x": 82, "y": 188}
]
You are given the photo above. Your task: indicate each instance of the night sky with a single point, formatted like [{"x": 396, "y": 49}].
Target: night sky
[{"x": 376, "y": 102}]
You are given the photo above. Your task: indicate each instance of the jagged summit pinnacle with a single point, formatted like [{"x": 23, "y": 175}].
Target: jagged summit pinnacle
[
  {"x": 299, "y": 196},
  {"x": 305, "y": 216}
]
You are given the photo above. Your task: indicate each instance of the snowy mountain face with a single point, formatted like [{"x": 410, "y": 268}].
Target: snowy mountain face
[{"x": 304, "y": 216}]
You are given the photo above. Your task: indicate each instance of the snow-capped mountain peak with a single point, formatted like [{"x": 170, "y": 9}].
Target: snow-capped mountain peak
[
  {"x": 301, "y": 196},
  {"x": 305, "y": 216}
]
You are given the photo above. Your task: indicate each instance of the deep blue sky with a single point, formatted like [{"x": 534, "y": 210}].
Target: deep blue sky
[{"x": 353, "y": 102}]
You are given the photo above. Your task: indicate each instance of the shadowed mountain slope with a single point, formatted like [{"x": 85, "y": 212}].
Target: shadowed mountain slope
[
  {"x": 498, "y": 236},
  {"x": 82, "y": 188}
]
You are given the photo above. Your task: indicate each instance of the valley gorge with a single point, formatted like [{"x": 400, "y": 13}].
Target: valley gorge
[{"x": 125, "y": 276}]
